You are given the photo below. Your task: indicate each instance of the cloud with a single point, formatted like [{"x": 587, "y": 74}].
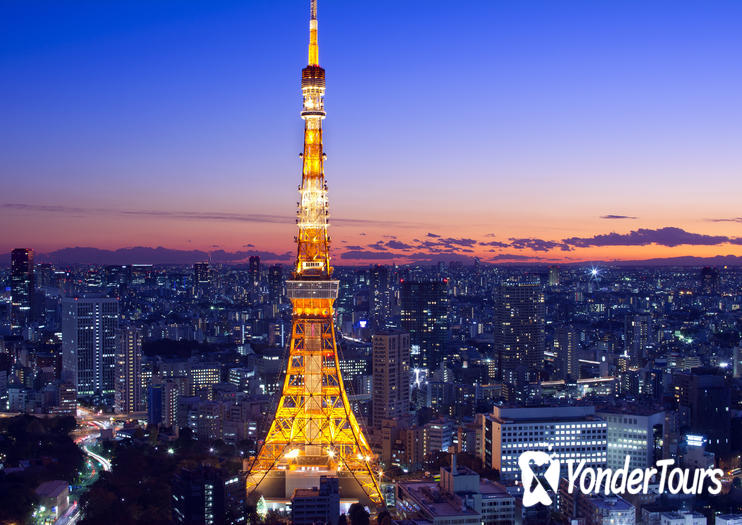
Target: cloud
[
  {"x": 516, "y": 257},
  {"x": 366, "y": 255},
  {"x": 732, "y": 219},
  {"x": 668, "y": 236},
  {"x": 495, "y": 243},
  {"x": 398, "y": 245},
  {"x": 354, "y": 247},
  {"x": 432, "y": 235},
  {"x": 611, "y": 216},
  {"x": 538, "y": 245},
  {"x": 188, "y": 215}
]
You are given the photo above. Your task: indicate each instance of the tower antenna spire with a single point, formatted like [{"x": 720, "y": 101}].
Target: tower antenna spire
[{"x": 313, "y": 47}]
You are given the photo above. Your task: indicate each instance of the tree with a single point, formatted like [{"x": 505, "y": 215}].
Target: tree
[{"x": 358, "y": 514}]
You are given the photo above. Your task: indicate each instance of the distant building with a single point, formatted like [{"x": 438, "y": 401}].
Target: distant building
[
  {"x": 253, "y": 271},
  {"x": 317, "y": 505},
  {"x": 89, "y": 344},
  {"x": 22, "y": 287},
  {"x": 554, "y": 277},
  {"x": 129, "y": 371},
  {"x": 391, "y": 375},
  {"x": 201, "y": 279},
  {"x": 275, "y": 283},
  {"x": 567, "y": 347},
  {"x": 424, "y": 314},
  {"x": 207, "y": 496},
  {"x": 519, "y": 329},
  {"x": 379, "y": 296},
  {"x": 707, "y": 397},
  {"x": 460, "y": 498}
]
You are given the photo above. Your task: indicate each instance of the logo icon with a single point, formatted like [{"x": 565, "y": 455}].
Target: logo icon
[{"x": 533, "y": 490}]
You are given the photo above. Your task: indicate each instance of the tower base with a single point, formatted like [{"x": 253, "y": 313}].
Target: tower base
[{"x": 278, "y": 486}]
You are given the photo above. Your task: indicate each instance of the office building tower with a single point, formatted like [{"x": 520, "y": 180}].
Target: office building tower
[
  {"x": 162, "y": 402},
  {"x": 706, "y": 394},
  {"x": 567, "y": 345},
  {"x": 22, "y": 287},
  {"x": 379, "y": 297},
  {"x": 519, "y": 330},
  {"x": 89, "y": 344},
  {"x": 201, "y": 273},
  {"x": 253, "y": 271},
  {"x": 554, "y": 276},
  {"x": 318, "y": 504},
  {"x": 205, "y": 495},
  {"x": 637, "y": 336},
  {"x": 635, "y": 431},
  {"x": 275, "y": 283},
  {"x": 129, "y": 371},
  {"x": 424, "y": 315},
  {"x": 391, "y": 375},
  {"x": 564, "y": 432},
  {"x": 709, "y": 281}
]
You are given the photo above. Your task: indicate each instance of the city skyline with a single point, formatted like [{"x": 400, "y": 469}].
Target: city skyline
[{"x": 162, "y": 127}]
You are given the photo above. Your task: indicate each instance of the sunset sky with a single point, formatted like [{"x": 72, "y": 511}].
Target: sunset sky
[{"x": 518, "y": 130}]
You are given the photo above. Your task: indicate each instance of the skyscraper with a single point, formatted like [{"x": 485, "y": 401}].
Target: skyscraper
[
  {"x": 637, "y": 336},
  {"x": 314, "y": 431},
  {"x": 275, "y": 283},
  {"x": 391, "y": 375},
  {"x": 519, "y": 328},
  {"x": 379, "y": 296},
  {"x": 129, "y": 371},
  {"x": 424, "y": 309},
  {"x": 201, "y": 278},
  {"x": 253, "y": 271},
  {"x": 89, "y": 330},
  {"x": 554, "y": 276},
  {"x": 22, "y": 287},
  {"x": 567, "y": 346}
]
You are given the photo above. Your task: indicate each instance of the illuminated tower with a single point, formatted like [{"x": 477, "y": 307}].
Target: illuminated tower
[{"x": 314, "y": 431}]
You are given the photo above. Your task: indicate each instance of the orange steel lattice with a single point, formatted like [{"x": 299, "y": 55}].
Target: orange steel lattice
[{"x": 314, "y": 430}]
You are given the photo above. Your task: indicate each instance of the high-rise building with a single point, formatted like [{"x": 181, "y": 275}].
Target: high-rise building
[
  {"x": 253, "y": 271},
  {"x": 554, "y": 276},
  {"x": 89, "y": 335},
  {"x": 206, "y": 495},
  {"x": 707, "y": 395},
  {"x": 314, "y": 431},
  {"x": 709, "y": 281},
  {"x": 129, "y": 371},
  {"x": 519, "y": 329},
  {"x": 379, "y": 296},
  {"x": 391, "y": 375},
  {"x": 275, "y": 283},
  {"x": 424, "y": 314},
  {"x": 22, "y": 287},
  {"x": 637, "y": 336},
  {"x": 318, "y": 504},
  {"x": 566, "y": 352},
  {"x": 201, "y": 278},
  {"x": 636, "y": 432},
  {"x": 564, "y": 432}
]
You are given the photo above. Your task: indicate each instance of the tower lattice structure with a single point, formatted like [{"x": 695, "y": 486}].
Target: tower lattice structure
[{"x": 314, "y": 431}]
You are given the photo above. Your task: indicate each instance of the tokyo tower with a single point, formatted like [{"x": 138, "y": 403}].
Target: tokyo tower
[{"x": 314, "y": 431}]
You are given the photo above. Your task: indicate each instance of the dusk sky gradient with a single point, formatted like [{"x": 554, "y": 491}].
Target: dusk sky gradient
[{"x": 501, "y": 128}]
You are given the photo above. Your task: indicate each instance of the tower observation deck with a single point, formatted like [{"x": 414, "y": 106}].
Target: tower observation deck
[{"x": 314, "y": 431}]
